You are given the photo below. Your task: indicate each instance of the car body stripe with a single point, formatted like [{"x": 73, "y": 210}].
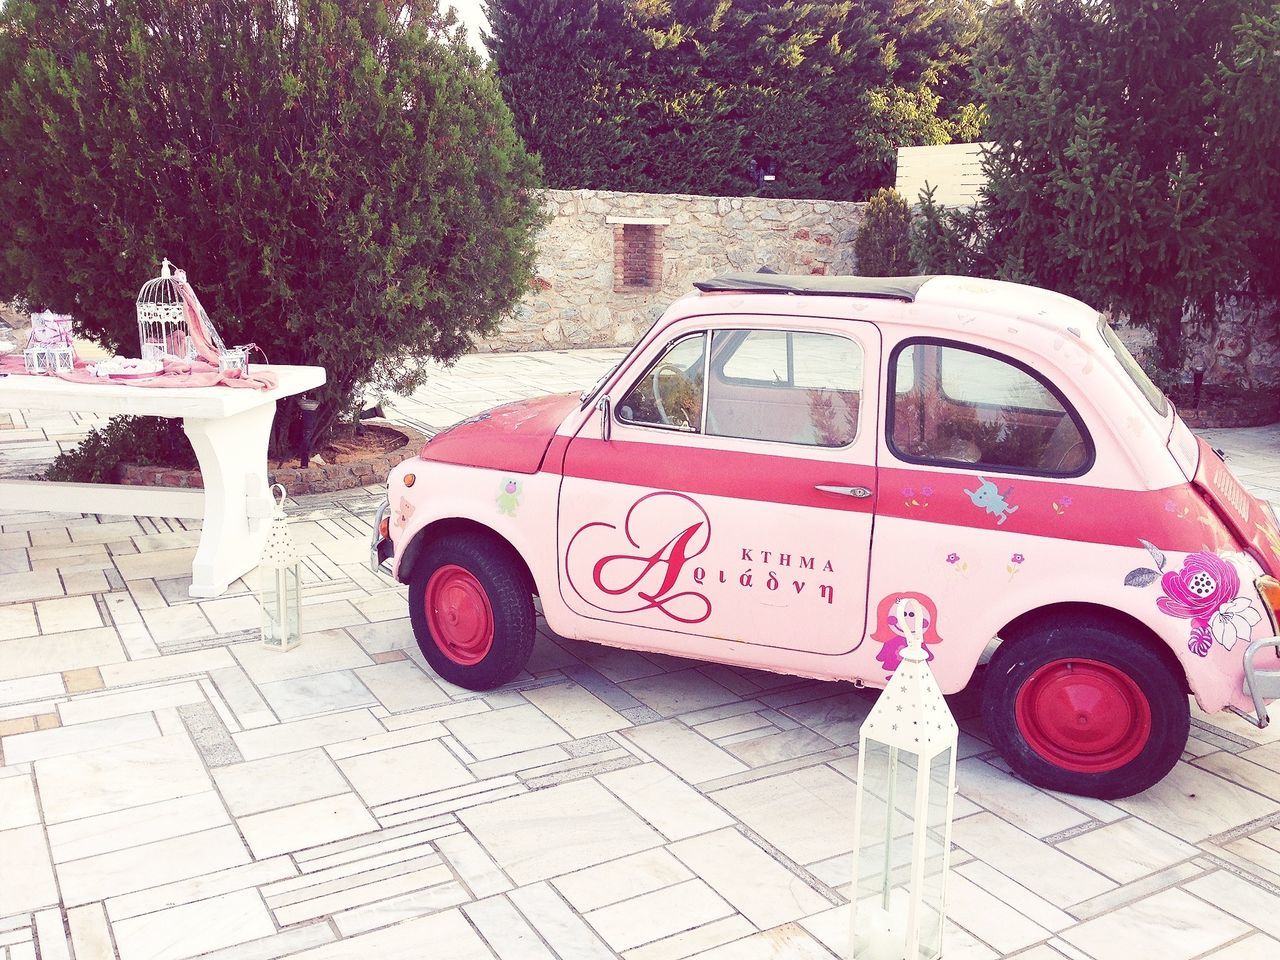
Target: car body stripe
[{"x": 1175, "y": 518}]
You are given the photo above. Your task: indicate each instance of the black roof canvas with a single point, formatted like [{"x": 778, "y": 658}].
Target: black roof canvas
[{"x": 884, "y": 288}]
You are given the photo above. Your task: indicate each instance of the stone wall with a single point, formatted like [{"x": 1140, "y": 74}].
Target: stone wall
[
  {"x": 1238, "y": 348},
  {"x": 581, "y": 261},
  {"x": 598, "y": 243}
]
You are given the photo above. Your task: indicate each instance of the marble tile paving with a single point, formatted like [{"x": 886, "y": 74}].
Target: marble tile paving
[{"x": 168, "y": 789}]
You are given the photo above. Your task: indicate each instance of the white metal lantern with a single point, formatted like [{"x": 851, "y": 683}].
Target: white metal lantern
[
  {"x": 234, "y": 358},
  {"x": 61, "y": 359},
  {"x": 35, "y": 359},
  {"x": 902, "y": 822},
  {"x": 171, "y": 322},
  {"x": 280, "y": 586}
]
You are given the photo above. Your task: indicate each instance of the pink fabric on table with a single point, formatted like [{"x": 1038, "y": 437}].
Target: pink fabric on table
[{"x": 177, "y": 373}]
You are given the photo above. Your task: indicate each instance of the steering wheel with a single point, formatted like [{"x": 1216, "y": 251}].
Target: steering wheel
[{"x": 655, "y": 381}]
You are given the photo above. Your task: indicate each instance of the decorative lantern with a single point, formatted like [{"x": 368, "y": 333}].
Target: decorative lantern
[
  {"x": 902, "y": 822},
  {"x": 234, "y": 358},
  {"x": 171, "y": 322},
  {"x": 36, "y": 359},
  {"x": 280, "y": 586},
  {"x": 61, "y": 359}
]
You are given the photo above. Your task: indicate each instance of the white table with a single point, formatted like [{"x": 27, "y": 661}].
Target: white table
[{"x": 229, "y": 429}]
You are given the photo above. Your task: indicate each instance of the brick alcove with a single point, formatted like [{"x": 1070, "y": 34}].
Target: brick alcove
[{"x": 637, "y": 253}]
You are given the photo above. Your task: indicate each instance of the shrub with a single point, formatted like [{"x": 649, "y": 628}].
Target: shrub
[
  {"x": 340, "y": 178},
  {"x": 882, "y": 247},
  {"x": 123, "y": 440}
]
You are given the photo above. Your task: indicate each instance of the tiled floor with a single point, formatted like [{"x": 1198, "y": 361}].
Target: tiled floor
[{"x": 170, "y": 789}]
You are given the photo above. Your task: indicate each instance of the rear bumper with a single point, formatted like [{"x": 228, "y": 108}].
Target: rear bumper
[
  {"x": 381, "y": 549},
  {"x": 1260, "y": 684}
]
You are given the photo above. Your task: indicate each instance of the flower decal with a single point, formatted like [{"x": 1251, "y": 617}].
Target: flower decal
[
  {"x": 1014, "y": 566},
  {"x": 953, "y": 558},
  {"x": 916, "y": 498},
  {"x": 1204, "y": 584},
  {"x": 1233, "y": 622},
  {"x": 1203, "y": 591}
]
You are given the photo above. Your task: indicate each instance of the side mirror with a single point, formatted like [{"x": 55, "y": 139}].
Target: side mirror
[{"x": 606, "y": 421}]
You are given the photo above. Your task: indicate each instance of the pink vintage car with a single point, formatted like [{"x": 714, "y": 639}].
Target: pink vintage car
[{"x": 783, "y": 463}]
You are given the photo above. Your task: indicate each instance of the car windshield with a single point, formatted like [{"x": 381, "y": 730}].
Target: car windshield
[{"x": 1131, "y": 366}]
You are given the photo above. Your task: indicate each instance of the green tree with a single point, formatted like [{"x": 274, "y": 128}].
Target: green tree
[
  {"x": 1135, "y": 156},
  {"x": 697, "y": 89},
  {"x": 340, "y": 178}
]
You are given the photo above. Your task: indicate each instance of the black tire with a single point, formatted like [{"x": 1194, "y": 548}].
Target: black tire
[
  {"x": 495, "y": 573},
  {"x": 1027, "y": 711}
]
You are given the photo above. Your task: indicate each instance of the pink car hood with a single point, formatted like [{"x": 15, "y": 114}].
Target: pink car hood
[{"x": 513, "y": 437}]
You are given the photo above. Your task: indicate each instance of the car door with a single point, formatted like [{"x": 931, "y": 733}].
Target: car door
[{"x": 734, "y": 496}]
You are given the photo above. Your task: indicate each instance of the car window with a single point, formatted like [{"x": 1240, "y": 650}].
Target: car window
[
  {"x": 784, "y": 386},
  {"x": 972, "y": 407},
  {"x": 669, "y": 394}
]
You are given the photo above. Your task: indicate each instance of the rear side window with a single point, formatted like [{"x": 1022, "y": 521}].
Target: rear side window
[{"x": 952, "y": 404}]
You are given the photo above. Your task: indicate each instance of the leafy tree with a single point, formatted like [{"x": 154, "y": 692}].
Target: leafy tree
[
  {"x": 686, "y": 93},
  {"x": 1135, "y": 157},
  {"x": 882, "y": 247},
  {"x": 340, "y": 178}
]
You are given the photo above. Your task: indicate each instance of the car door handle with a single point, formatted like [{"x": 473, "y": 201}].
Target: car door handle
[{"x": 860, "y": 492}]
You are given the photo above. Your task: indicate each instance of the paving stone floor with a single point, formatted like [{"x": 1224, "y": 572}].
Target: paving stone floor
[{"x": 170, "y": 789}]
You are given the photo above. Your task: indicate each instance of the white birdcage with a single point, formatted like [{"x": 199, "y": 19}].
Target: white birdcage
[{"x": 171, "y": 322}]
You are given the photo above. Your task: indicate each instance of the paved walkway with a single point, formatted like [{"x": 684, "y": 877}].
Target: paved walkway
[{"x": 169, "y": 789}]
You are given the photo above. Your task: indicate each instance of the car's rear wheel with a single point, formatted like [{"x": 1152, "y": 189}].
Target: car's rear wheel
[
  {"x": 472, "y": 610},
  {"x": 1085, "y": 708}
]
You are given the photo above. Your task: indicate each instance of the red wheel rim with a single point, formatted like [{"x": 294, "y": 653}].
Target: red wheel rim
[
  {"x": 1083, "y": 715},
  {"x": 458, "y": 615}
]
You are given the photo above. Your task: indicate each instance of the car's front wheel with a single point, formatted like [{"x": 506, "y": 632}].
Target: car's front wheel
[
  {"x": 1085, "y": 708},
  {"x": 472, "y": 610}
]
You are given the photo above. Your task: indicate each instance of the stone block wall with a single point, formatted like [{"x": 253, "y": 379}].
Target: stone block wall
[
  {"x": 610, "y": 263},
  {"x": 598, "y": 244}
]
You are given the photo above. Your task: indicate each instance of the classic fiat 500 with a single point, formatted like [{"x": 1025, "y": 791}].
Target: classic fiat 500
[{"x": 786, "y": 471}]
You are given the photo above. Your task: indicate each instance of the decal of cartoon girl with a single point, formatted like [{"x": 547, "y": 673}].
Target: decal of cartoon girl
[{"x": 898, "y": 612}]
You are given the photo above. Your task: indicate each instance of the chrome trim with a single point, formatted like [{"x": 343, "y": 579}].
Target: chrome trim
[
  {"x": 375, "y": 563},
  {"x": 606, "y": 418},
  {"x": 1261, "y": 718}
]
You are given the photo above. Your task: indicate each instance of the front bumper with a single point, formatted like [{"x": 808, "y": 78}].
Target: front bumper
[{"x": 381, "y": 549}]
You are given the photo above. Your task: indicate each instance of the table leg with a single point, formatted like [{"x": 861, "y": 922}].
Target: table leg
[{"x": 233, "y": 462}]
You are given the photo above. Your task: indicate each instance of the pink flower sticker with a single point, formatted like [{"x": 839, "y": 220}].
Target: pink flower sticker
[{"x": 1195, "y": 592}]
